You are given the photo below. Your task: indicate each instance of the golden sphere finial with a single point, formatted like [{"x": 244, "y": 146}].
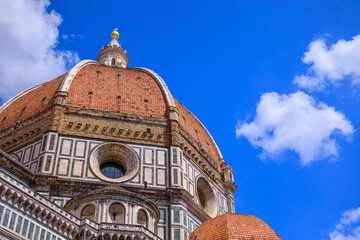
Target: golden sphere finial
[{"x": 115, "y": 34}]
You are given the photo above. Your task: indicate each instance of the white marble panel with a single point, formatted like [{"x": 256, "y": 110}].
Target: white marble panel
[
  {"x": 66, "y": 147},
  {"x": 80, "y": 148},
  {"x": 63, "y": 166},
  {"x": 161, "y": 157},
  {"x": 161, "y": 173},
  {"x": 148, "y": 156}
]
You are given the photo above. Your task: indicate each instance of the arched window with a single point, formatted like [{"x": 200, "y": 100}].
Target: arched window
[
  {"x": 142, "y": 218},
  {"x": 88, "y": 212},
  {"x": 117, "y": 213},
  {"x": 113, "y": 63}
]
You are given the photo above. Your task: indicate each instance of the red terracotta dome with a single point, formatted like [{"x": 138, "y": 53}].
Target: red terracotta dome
[
  {"x": 91, "y": 85},
  {"x": 234, "y": 226},
  {"x": 29, "y": 103}
]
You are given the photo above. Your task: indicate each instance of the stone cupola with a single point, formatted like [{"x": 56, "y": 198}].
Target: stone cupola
[{"x": 113, "y": 55}]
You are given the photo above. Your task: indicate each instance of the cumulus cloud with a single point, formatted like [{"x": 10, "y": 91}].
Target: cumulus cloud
[
  {"x": 28, "y": 53},
  {"x": 348, "y": 227},
  {"x": 330, "y": 65},
  {"x": 295, "y": 122}
]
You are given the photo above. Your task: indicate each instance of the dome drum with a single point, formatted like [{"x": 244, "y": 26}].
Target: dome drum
[{"x": 192, "y": 152}]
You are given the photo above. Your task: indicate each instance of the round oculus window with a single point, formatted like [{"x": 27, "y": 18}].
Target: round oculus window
[
  {"x": 112, "y": 170},
  {"x": 206, "y": 197},
  {"x": 202, "y": 198},
  {"x": 114, "y": 162}
]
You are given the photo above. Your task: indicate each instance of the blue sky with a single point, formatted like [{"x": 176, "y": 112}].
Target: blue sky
[{"x": 293, "y": 144}]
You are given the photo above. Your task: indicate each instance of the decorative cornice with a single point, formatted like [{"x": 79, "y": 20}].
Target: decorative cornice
[
  {"x": 192, "y": 155},
  {"x": 25, "y": 123},
  {"x": 114, "y": 126},
  {"x": 86, "y": 112},
  {"x": 204, "y": 162}
]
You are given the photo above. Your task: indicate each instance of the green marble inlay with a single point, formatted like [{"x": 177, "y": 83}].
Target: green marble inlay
[
  {"x": 12, "y": 221},
  {"x": 18, "y": 225},
  {"x": 44, "y": 143},
  {"x": 40, "y": 163},
  {"x": 36, "y": 235},
  {"x": 175, "y": 176},
  {"x": 52, "y": 141},
  {"x": 42, "y": 235},
  {"x": 176, "y": 216},
  {"x": 181, "y": 174},
  {"x": 48, "y": 161},
  {"x": 175, "y": 156},
  {"x": 31, "y": 231},
  {"x": 177, "y": 234},
  {"x": 6, "y": 218},
  {"x": 1, "y": 212},
  {"x": 181, "y": 159},
  {"x": 25, "y": 227}
]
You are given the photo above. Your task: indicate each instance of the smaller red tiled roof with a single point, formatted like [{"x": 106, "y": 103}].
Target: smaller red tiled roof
[{"x": 234, "y": 226}]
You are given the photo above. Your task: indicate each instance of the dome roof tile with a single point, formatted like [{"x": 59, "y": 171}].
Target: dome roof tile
[
  {"x": 32, "y": 102},
  {"x": 116, "y": 89}
]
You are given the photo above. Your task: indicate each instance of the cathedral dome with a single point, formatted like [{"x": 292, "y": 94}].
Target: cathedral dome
[
  {"x": 112, "y": 89},
  {"x": 117, "y": 155},
  {"x": 234, "y": 226}
]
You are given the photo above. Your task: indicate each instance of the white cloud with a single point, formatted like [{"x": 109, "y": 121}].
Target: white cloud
[
  {"x": 71, "y": 37},
  {"x": 348, "y": 227},
  {"x": 295, "y": 122},
  {"x": 330, "y": 65},
  {"x": 28, "y": 54}
]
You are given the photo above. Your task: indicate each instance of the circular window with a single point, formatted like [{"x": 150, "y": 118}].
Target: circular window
[
  {"x": 114, "y": 162},
  {"x": 112, "y": 170},
  {"x": 202, "y": 198},
  {"x": 206, "y": 197}
]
